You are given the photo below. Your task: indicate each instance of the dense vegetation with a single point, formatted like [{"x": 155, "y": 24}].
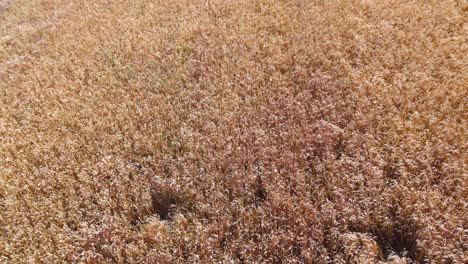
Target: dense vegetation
[{"x": 245, "y": 131}]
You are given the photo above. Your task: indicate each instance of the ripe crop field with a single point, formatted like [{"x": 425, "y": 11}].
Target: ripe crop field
[{"x": 233, "y": 131}]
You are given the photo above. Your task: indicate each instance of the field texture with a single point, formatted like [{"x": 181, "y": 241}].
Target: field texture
[{"x": 248, "y": 131}]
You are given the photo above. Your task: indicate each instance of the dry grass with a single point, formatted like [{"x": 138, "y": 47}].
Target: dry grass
[{"x": 245, "y": 131}]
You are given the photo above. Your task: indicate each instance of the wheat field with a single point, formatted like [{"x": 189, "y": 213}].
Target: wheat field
[{"x": 233, "y": 131}]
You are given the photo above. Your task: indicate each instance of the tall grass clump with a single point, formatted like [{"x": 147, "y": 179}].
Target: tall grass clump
[{"x": 249, "y": 131}]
